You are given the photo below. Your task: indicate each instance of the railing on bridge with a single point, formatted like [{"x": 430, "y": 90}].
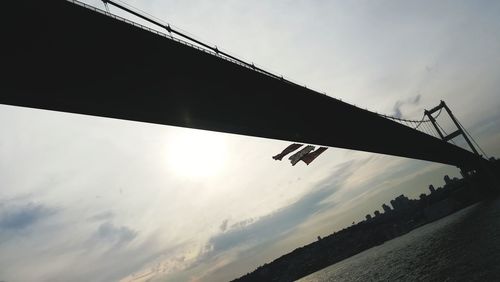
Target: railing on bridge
[
  {"x": 197, "y": 44},
  {"x": 427, "y": 124},
  {"x": 424, "y": 125}
]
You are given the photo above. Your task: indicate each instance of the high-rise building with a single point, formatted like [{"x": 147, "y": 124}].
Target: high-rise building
[
  {"x": 386, "y": 208},
  {"x": 447, "y": 179},
  {"x": 432, "y": 189},
  {"x": 400, "y": 202}
]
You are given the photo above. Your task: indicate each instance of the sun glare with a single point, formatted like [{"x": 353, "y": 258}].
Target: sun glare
[{"x": 196, "y": 153}]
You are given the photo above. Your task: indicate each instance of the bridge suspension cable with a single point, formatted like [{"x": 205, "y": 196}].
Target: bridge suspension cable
[
  {"x": 415, "y": 124},
  {"x": 171, "y": 30},
  {"x": 446, "y": 133},
  {"x": 473, "y": 140},
  {"x": 423, "y": 125}
]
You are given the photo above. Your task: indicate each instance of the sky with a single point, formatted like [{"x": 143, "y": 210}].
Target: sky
[{"x": 94, "y": 199}]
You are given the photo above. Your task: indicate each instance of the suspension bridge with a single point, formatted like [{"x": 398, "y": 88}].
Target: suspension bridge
[{"x": 66, "y": 56}]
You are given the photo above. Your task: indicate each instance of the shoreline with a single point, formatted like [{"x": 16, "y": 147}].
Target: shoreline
[{"x": 406, "y": 216}]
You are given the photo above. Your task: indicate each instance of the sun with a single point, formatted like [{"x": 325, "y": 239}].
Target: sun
[{"x": 196, "y": 153}]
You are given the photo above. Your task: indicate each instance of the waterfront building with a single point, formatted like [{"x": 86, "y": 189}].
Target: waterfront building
[
  {"x": 432, "y": 189},
  {"x": 386, "y": 208},
  {"x": 400, "y": 202}
]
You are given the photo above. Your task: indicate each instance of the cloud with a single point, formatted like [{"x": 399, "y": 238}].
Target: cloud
[
  {"x": 105, "y": 215},
  {"x": 273, "y": 225},
  {"x": 223, "y": 226},
  {"x": 412, "y": 101},
  {"x": 108, "y": 232},
  {"x": 221, "y": 257},
  {"x": 242, "y": 223},
  {"x": 252, "y": 232},
  {"x": 22, "y": 216}
]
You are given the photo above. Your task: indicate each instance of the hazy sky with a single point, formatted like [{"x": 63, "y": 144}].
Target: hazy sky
[{"x": 94, "y": 199}]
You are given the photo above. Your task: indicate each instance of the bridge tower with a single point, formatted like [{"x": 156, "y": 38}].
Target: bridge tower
[
  {"x": 448, "y": 137},
  {"x": 456, "y": 133}
]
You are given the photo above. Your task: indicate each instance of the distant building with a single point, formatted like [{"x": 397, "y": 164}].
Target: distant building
[
  {"x": 377, "y": 213},
  {"x": 432, "y": 189},
  {"x": 368, "y": 217},
  {"x": 447, "y": 179},
  {"x": 400, "y": 202},
  {"x": 386, "y": 208}
]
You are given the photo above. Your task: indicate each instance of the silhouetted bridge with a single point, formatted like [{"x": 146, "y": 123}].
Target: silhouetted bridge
[{"x": 69, "y": 57}]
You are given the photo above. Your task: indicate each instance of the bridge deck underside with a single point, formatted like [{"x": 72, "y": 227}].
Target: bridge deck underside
[{"x": 63, "y": 57}]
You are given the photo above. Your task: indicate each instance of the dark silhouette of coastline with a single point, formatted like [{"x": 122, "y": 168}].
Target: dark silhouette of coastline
[{"x": 404, "y": 216}]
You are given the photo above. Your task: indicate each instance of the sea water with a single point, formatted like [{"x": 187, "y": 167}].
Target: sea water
[{"x": 464, "y": 246}]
